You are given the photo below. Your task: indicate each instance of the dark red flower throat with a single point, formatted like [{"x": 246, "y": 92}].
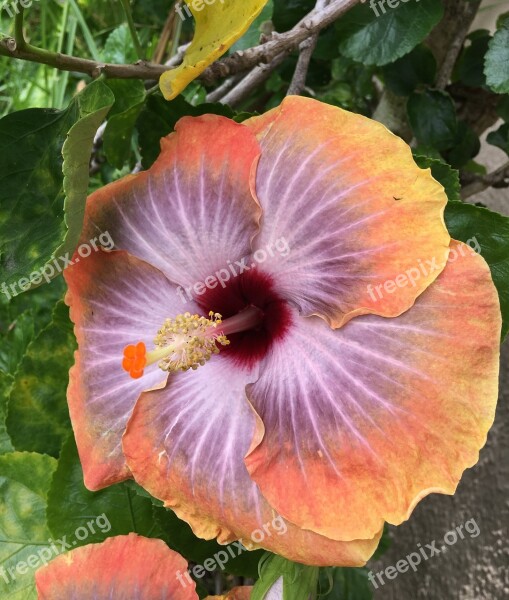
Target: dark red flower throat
[{"x": 250, "y": 289}]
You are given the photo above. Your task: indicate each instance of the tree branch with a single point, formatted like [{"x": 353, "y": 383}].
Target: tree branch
[
  {"x": 278, "y": 43},
  {"x": 223, "y": 89},
  {"x": 64, "y": 62},
  {"x": 240, "y": 61},
  {"x": 18, "y": 28},
  {"x": 496, "y": 179},
  {"x": 306, "y": 49},
  {"x": 464, "y": 18},
  {"x": 251, "y": 81}
]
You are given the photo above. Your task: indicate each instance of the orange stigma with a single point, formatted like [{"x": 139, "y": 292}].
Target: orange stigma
[
  {"x": 183, "y": 343},
  {"x": 135, "y": 359}
]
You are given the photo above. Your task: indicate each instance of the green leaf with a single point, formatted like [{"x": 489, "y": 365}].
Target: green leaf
[
  {"x": 374, "y": 34},
  {"x": 116, "y": 510},
  {"x": 503, "y": 108},
  {"x": 158, "y": 118},
  {"x": 443, "y": 173},
  {"x": 6, "y": 382},
  {"x": 38, "y": 417},
  {"x": 384, "y": 544},
  {"x": 470, "y": 66},
  {"x": 432, "y": 116},
  {"x": 31, "y": 195},
  {"x": 474, "y": 167},
  {"x": 20, "y": 321},
  {"x": 496, "y": 63},
  {"x": 129, "y": 99},
  {"x": 339, "y": 583},
  {"x": 180, "y": 537},
  {"x": 500, "y": 137},
  {"x": 94, "y": 103},
  {"x": 299, "y": 581},
  {"x": 465, "y": 147},
  {"x": 119, "y": 47},
  {"x": 15, "y": 335},
  {"x": 288, "y": 13},
  {"x": 24, "y": 536},
  {"x": 35, "y": 223},
  {"x": 416, "y": 68},
  {"x": 491, "y": 232}
]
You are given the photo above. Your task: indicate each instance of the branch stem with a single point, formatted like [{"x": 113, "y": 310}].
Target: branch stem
[
  {"x": 240, "y": 61},
  {"x": 306, "y": 49},
  {"x": 496, "y": 179},
  {"x": 465, "y": 18},
  {"x": 132, "y": 29},
  {"x": 19, "y": 36}
]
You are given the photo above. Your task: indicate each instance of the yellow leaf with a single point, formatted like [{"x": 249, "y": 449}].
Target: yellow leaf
[{"x": 219, "y": 24}]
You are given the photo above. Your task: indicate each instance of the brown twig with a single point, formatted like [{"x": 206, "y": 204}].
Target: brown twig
[
  {"x": 164, "y": 38},
  {"x": 240, "y": 61},
  {"x": 465, "y": 16},
  {"x": 306, "y": 49},
  {"x": 64, "y": 62},
  {"x": 224, "y": 88},
  {"x": 278, "y": 43},
  {"x": 251, "y": 81},
  {"x": 496, "y": 179}
]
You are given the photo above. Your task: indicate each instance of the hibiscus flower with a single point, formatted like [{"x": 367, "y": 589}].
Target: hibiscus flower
[
  {"x": 345, "y": 368},
  {"x": 125, "y": 567}
]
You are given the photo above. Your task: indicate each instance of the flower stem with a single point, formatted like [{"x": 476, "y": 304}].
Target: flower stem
[
  {"x": 132, "y": 28},
  {"x": 18, "y": 29}
]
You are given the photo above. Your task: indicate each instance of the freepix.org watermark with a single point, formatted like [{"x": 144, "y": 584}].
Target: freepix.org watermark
[
  {"x": 221, "y": 558},
  {"x": 423, "y": 268},
  {"x": 13, "y": 8},
  {"x": 378, "y": 6},
  {"x": 57, "y": 265},
  {"x": 234, "y": 269},
  {"x": 54, "y": 548},
  {"x": 184, "y": 12},
  {"x": 414, "y": 559}
]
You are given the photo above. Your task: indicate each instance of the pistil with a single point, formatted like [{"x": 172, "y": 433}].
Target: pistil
[{"x": 188, "y": 341}]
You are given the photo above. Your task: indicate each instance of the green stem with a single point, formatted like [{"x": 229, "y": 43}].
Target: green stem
[
  {"x": 132, "y": 28},
  {"x": 18, "y": 29},
  {"x": 177, "y": 30},
  {"x": 60, "y": 45}
]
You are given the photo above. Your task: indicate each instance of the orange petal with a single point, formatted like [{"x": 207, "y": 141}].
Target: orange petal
[
  {"x": 193, "y": 211},
  {"x": 362, "y": 422},
  {"x": 185, "y": 445},
  {"x": 114, "y": 299},
  {"x": 352, "y": 207},
  {"x": 126, "y": 567}
]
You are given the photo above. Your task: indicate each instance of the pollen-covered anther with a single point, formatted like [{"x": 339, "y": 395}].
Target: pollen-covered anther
[
  {"x": 182, "y": 343},
  {"x": 187, "y": 342}
]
